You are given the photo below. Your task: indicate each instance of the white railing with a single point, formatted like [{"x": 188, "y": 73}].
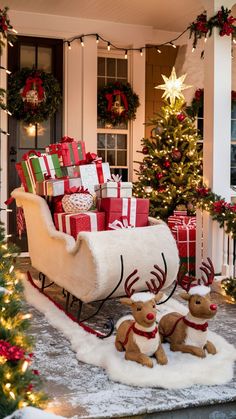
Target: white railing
[{"x": 213, "y": 242}]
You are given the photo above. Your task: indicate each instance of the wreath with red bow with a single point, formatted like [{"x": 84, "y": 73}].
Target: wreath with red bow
[
  {"x": 117, "y": 103},
  {"x": 33, "y": 95}
]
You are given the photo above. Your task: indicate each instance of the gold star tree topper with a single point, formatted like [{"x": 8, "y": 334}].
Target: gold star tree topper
[{"x": 173, "y": 87}]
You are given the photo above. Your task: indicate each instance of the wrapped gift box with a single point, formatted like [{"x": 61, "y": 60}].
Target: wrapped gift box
[
  {"x": 114, "y": 190},
  {"x": 35, "y": 167},
  {"x": 56, "y": 187},
  {"x": 69, "y": 151},
  {"x": 135, "y": 210},
  {"x": 180, "y": 218},
  {"x": 73, "y": 224},
  {"x": 186, "y": 242},
  {"x": 93, "y": 174}
]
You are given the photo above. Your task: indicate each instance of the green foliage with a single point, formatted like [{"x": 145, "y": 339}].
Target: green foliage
[
  {"x": 172, "y": 164},
  {"x": 229, "y": 287},
  {"x": 19, "y": 382},
  {"x": 5, "y": 29},
  {"x": 45, "y": 109},
  {"x": 109, "y": 115}
]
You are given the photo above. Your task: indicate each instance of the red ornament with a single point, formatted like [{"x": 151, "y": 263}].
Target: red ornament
[
  {"x": 36, "y": 372},
  {"x": 176, "y": 155},
  {"x": 166, "y": 164},
  {"x": 181, "y": 117},
  {"x": 161, "y": 189},
  {"x": 145, "y": 150},
  {"x": 159, "y": 175}
]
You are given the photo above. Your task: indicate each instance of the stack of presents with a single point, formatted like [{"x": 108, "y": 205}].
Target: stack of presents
[{"x": 84, "y": 196}]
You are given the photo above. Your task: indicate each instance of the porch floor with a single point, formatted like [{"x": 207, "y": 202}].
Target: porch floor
[{"x": 82, "y": 391}]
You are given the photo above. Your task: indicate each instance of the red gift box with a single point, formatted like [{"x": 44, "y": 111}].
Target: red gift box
[
  {"x": 69, "y": 151},
  {"x": 73, "y": 224},
  {"x": 186, "y": 242},
  {"x": 136, "y": 210},
  {"x": 178, "y": 220}
]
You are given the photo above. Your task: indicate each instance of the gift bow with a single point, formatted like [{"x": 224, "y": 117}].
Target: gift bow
[
  {"x": 67, "y": 139},
  {"x": 191, "y": 224},
  {"x": 26, "y": 156},
  {"x": 31, "y": 82},
  {"x": 74, "y": 189},
  {"x": 109, "y": 97},
  {"x": 117, "y": 225},
  {"x": 115, "y": 178}
]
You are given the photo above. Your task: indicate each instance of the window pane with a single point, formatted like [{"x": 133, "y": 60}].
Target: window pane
[
  {"x": 233, "y": 155},
  {"x": 121, "y": 158},
  {"x": 122, "y": 79},
  {"x": 111, "y": 157},
  {"x": 101, "y": 141},
  {"x": 111, "y": 67},
  {"x": 233, "y": 130},
  {"x": 43, "y": 133},
  {"x": 26, "y": 135},
  {"x": 233, "y": 109},
  {"x": 101, "y": 66},
  {"x": 121, "y": 172},
  {"x": 101, "y": 82},
  {"x": 102, "y": 154},
  {"x": 27, "y": 56},
  {"x": 45, "y": 59},
  {"x": 122, "y": 141},
  {"x": 122, "y": 68},
  {"x": 111, "y": 141}
]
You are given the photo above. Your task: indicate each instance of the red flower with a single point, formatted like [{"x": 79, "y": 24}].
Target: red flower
[
  {"x": 36, "y": 372},
  {"x": 12, "y": 353},
  {"x": 203, "y": 191},
  {"x": 220, "y": 206}
]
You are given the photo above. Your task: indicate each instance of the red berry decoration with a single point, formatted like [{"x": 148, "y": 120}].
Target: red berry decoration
[
  {"x": 145, "y": 150},
  {"x": 176, "y": 155},
  {"x": 159, "y": 175},
  {"x": 166, "y": 164},
  {"x": 181, "y": 117}
]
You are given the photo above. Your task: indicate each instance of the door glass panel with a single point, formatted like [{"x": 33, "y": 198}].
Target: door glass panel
[
  {"x": 101, "y": 141},
  {"x": 111, "y": 157},
  {"x": 122, "y": 141},
  {"x": 111, "y": 67},
  {"x": 122, "y": 68},
  {"x": 43, "y": 133},
  {"x": 111, "y": 141},
  {"x": 101, "y": 66},
  {"x": 26, "y": 135},
  {"x": 45, "y": 59},
  {"x": 121, "y": 158},
  {"x": 27, "y": 56}
]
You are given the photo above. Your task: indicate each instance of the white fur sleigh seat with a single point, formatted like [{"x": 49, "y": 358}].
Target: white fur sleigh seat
[{"x": 89, "y": 268}]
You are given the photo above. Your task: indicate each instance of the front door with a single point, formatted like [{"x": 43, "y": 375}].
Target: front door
[{"x": 47, "y": 55}]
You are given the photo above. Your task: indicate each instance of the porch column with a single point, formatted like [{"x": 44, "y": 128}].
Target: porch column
[{"x": 217, "y": 130}]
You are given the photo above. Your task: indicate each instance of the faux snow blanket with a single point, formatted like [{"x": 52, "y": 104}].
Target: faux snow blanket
[{"x": 182, "y": 370}]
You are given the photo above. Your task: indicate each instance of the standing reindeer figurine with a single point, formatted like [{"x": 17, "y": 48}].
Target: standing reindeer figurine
[
  {"x": 139, "y": 338},
  {"x": 189, "y": 333}
]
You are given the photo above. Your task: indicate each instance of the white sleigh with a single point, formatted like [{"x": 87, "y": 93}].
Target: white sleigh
[{"x": 90, "y": 267}]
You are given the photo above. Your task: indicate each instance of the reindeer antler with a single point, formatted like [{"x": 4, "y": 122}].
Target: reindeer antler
[
  {"x": 128, "y": 290},
  {"x": 209, "y": 271},
  {"x": 160, "y": 276}
]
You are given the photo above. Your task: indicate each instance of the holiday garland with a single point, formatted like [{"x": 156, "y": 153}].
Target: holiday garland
[
  {"x": 5, "y": 29},
  {"x": 33, "y": 95},
  {"x": 117, "y": 103},
  {"x": 203, "y": 27},
  {"x": 197, "y": 102}
]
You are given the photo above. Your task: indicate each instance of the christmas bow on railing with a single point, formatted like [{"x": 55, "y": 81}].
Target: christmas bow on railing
[
  {"x": 33, "y": 83},
  {"x": 115, "y": 178},
  {"x": 109, "y": 97},
  {"x": 123, "y": 224}
]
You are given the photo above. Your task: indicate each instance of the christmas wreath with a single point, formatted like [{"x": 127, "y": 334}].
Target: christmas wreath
[
  {"x": 33, "y": 95},
  {"x": 117, "y": 103},
  {"x": 197, "y": 102}
]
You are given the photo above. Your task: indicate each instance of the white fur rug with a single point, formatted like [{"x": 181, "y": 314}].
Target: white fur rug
[{"x": 182, "y": 370}]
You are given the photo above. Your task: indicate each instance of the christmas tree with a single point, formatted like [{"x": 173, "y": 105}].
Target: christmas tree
[
  {"x": 18, "y": 380},
  {"x": 171, "y": 169}
]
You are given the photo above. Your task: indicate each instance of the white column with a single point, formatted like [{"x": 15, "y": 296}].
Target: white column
[
  {"x": 217, "y": 128},
  {"x": 4, "y": 146},
  {"x": 89, "y": 96},
  {"x": 137, "y": 126}
]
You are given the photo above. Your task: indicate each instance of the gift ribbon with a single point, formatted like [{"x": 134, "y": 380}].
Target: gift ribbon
[
  {"x": 67, "y": 139},
  {"x": 29, "y": 84},
  {"x": 64, "y": 221},
  {"x": 109, "y": 97},
  {"x": 74, "y": 189},
  {"x": 26, "y": 156},
  {"x": 114, "y": 178},
  {"x": 129, "y": 210},
  {"x": 117, "y": 225}
]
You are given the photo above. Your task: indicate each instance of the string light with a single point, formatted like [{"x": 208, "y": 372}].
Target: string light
[
  {"x": 81, "y": 41},
  {"x": 193, "y": 49},
  {"x": 69, "y": 45},
  {"x": 108, "y": 46},
  {"x": 3, "y": 68},
  {"x": 159, "y": 51},
  {"x": 12, "y": 395},
  {"x": 126, "y": 54},
  {"x": 10, "y": 43},
  {"x": 97, "y": 38},
  {"x": 172, "y": 44},
  {"x": 141, "y": 52},
  {"x": 11, "y": 269},
  {"x": 24, "y": 366}
]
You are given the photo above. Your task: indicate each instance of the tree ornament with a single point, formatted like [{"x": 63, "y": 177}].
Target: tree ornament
[
  {"x": 141, "y": 167},
  {"x": 176, "y": 155},
  {"x": 181, "y": 117},
  {"x": 159, "y": 175},
  {"x": 33, "y": 95},
  {"x": 148, "y": 189},
  {"x": 166, "y": 164},
  {"x": 173, "y": 87},
  {"x": 145, "y": 150},
  {"x": 158, "y": 130},
  {"x": 161, "y": 189},
  {"x": 117, "y": 103}
]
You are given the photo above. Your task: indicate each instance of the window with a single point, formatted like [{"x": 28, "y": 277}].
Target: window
[{"x": 112, "y": 142}]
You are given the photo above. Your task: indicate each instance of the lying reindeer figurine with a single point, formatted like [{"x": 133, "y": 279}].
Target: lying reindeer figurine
[
  {"x": 139, "y": 338},
  {"x": 189, "y": 333}
]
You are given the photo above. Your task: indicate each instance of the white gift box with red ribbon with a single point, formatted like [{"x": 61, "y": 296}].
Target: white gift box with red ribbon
[
  {"x": 114, "y": 188},
  {"x": 93, "y": 174}
]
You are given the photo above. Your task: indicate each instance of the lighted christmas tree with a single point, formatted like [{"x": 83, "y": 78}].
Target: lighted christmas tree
[
  {"x": 18, "y": 380},
  {"x": 172, "y": 164}
]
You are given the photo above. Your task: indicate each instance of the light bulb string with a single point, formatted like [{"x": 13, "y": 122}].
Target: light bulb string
[{"x": 127, "y": 49}]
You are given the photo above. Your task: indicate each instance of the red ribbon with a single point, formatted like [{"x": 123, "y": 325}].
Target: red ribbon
[
  {"x": 67, "y": 139},
  {"x": 74, "y": 189},
  {"x": 9, "y": 200},
  {"x": 33, "y": 83},
  {"x": 57, "y": 204},
  {"x": 109, "y": 97},
  {"x": 26, "y": 156}
]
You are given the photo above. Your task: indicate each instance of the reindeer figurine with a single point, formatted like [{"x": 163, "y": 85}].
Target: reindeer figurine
[
  {"x": 189, "y": 333},
  {"x": 139, "y": 338}
]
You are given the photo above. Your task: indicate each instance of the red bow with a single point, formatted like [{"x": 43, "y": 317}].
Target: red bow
[
  {"x": 33, "y": 83},
  {"x": 109, "y": 97},
  {"x": 67, "y": 139},
  {"x": 74, "y": 189},
  {"x": 26, "y": 156}
]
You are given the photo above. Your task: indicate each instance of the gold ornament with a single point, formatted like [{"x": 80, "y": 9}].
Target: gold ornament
[{"x": 173, "y": 87}]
